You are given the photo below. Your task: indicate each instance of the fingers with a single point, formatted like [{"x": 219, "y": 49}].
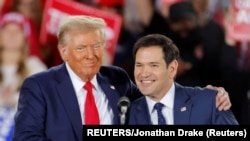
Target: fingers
[
  {"x": 209, "y": 86},
  {"x": 221, "y": 90},
  {"x": 222, "y": 99}
]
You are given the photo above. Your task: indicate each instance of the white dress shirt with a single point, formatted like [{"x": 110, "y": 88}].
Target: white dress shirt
[
  {"x": 167, "y": 110},
  {"x": 105, "y": 112}
]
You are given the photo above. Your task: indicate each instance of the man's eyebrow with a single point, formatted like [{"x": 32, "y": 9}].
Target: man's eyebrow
[{"x": 147, "y": 63}]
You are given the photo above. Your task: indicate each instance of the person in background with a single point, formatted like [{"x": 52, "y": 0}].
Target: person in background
[
  {"x": 15, "y": 66},
  {"x": 179, "y": 23},
  {"x": 239, "y": 60},
  {"x": 165, "y": 101},
  {"x": 32, "y": 10},
  {"x": 61, "y": 95},
  {"x": 220, "y": 57}
]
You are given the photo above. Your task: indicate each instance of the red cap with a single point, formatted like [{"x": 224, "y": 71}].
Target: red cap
[
  {"x": 109, "y": 2},
  {"x": 14, "y": 17}
]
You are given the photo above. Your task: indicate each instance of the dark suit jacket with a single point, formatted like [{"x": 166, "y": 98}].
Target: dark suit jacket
[
  {"x": 199, "y": 104},
  {"x": 48, "y": 109}
]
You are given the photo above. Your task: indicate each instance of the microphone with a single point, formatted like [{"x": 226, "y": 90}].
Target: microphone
[{"x": 123, "y": 105}]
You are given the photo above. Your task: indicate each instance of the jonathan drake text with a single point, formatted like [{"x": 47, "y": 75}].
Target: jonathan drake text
[{"x": 212, "y": 133}]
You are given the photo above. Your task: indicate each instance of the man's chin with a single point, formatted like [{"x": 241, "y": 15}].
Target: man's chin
[{"x": 145, "y": 93}]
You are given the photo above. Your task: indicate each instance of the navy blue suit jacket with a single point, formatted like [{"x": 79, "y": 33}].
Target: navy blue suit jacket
[
  {"x": 48, "y": 109},
  {"x": 199, "y": 106}
]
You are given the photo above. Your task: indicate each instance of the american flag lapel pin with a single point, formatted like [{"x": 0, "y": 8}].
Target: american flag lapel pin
[
  {"x": 112, "y": 87},
  {"x": 183, "y": 109}
]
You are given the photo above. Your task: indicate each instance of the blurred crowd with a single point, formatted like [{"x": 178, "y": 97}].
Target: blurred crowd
[{"x": 198, "y": 27}]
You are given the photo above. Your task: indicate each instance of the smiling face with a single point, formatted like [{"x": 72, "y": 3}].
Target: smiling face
[
  {"x": 152, "y": 75},
  {"x": 83, "y": 52}
]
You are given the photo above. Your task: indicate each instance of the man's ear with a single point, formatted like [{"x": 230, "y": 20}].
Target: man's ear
[
  {"x": 173, "y": 67},
  {"x": 63, "y": 52}
]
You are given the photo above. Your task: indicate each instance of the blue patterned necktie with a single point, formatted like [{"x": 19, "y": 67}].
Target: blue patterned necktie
[{"x": 161, "y": 120}]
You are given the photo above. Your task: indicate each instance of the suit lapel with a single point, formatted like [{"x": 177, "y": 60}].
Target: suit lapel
[
  {"x": 143, "y": 116},
  {"x": 111, "y": 94},
  {"x": 182, "y": 106},
  {"x": 69, "y": 100}
]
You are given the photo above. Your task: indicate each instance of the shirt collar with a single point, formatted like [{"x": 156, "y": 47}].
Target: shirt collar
[
  {"x": 167, "y": 100},
  {"x": 77, "y": 81}
]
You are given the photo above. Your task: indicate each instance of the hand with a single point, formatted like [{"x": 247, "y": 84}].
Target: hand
[{"x": 222, "y": 99}]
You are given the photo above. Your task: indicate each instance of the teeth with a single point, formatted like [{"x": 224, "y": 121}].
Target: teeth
[{"x": 147, "y": 81}]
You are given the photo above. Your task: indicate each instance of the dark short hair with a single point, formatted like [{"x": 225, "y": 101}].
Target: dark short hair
[{"x": 170, "y": 50}]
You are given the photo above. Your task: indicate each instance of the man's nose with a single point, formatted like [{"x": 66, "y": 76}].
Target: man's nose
[
  {"x": 90, "y": 52},
  {"x": 145, "y": 71}
]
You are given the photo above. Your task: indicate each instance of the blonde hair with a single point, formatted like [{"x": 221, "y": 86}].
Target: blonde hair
[{"x": 80, "y": 23}]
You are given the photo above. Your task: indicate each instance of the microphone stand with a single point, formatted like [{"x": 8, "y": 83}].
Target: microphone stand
[{"x": 123, "y": 114}]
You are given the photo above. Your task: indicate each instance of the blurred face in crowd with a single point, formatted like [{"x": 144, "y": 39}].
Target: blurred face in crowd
[
  {"x": 152, "y": 75},
  {"x": 186, "y": 33},
  {"x": 12, "y": 36},
  {"x": 183, "y": 28},
  {"x": 83, "y": 52},
  {"x": 26, "y": 6},
  {"x": 201, "y": 6}
]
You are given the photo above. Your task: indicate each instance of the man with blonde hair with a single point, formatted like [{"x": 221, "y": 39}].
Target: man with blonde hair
[{"x": 55, "y": 104}]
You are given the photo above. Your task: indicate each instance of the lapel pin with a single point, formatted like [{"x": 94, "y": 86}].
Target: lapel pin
[
  {"x": 183, "y": 109},
  {"x": 112, "y": 87}
]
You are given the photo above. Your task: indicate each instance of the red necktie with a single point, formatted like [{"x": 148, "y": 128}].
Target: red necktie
[{"x": 91, "y": 112}]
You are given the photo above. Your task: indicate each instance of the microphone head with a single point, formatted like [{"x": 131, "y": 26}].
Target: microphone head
[
  {"x": 123, "y": 102},
  {"x": 123, "y": 106}
]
